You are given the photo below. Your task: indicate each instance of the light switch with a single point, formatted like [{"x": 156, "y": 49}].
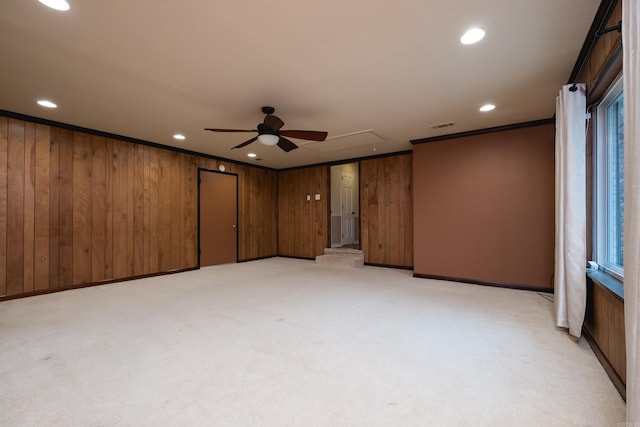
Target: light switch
[
  {"x": 308, "y": 197},
  {"x": 317, "y": 197}
]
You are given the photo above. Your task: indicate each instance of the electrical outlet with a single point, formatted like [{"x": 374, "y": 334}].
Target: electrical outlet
[{"x": 317, "y": 197}]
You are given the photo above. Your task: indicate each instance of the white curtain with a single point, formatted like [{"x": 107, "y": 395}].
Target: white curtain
[
  {"x": 570, "y": 251},
  {"x": 630, "y": 70}
]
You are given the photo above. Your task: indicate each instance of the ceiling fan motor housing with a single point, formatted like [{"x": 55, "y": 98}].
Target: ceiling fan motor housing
[{"x": 262, "y": 129}]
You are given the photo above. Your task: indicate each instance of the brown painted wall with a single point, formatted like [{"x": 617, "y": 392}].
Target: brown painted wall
[
  {"x": 484, "y": 207},
  {"x": 303, "y": 224},
  {"x": 76, "y": 208},
  {"x": 386, "y": 210}
]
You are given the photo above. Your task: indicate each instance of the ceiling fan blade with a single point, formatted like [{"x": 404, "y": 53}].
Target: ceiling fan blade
[
  {"x": 230, "y": 130},
  {"x": 273, "y": 122},
  {"x": 309, "y": 135},
  {"x": 246, "y": 143},
  {"x": 286, "y": 145}
]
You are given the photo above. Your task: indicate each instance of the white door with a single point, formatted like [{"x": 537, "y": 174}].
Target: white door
[{"x": 348, "y": 212}]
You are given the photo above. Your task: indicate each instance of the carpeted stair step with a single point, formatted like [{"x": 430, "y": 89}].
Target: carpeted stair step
[{"x": 341, "y": 256}]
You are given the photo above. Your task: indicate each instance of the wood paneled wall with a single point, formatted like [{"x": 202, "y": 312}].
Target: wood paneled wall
[
  {"x": 257, "y": 212},
  {"x": 604, "y": 321},
  {"x": 386, "y": 209},
  {"x": 303, "y": 224},
  {"x": 77, "y": 208}
]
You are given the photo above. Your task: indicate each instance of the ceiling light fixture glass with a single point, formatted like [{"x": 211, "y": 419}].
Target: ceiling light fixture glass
[
  {"x": 47, "y": 104},
  {"x": 179, "y": 136},
  {"x": 487, "y": 107},
  {"x": 252, "y": 155},
  {"x": 61, "y": 5},
  {"x": 268, "y": 139},
  {"x": 473, "y": 35}
]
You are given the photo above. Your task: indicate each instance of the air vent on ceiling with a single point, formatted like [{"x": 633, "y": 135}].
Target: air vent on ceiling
[{"x": 443, "y": 125}]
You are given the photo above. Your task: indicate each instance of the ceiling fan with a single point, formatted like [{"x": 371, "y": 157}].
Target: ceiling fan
[{"x": 270, "y": 133}]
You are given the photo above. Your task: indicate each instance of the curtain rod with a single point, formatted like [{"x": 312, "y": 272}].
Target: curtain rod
[{"x": 617, "y": 27}]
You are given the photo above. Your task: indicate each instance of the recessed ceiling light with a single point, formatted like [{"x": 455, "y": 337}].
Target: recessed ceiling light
[
  {"x": 252, "y": 155},
  {"x": 62, "y": 5},
  {"x": 46, "y": 103},
  {"x": 179, "y": 136},
  {"x": 487, "y": 107},
  {"x": 473, "y": 35}
]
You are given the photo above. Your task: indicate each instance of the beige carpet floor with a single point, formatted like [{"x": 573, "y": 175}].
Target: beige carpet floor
[{"x": 284, "y": 342}]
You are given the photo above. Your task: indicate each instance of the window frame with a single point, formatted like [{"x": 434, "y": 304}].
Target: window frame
[{"x": 601, "y": 177}]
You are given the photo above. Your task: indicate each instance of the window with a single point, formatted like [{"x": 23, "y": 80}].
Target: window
[{"x": 609, "y": 195}]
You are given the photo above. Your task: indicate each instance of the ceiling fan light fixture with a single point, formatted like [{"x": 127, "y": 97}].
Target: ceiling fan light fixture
[{"x": 268, "y": 139}]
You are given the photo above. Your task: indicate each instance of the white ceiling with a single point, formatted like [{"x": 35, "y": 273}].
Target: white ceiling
[{"x": 150, "y": 68}]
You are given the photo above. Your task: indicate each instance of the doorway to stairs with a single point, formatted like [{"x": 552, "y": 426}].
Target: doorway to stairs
[{"x": 345, "y": 205}]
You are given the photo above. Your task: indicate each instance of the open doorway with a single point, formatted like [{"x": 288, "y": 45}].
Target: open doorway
[{"x": 345, "y": 206}]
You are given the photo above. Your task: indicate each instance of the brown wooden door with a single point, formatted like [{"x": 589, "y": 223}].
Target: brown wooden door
[{"x": 218, "y": 218}]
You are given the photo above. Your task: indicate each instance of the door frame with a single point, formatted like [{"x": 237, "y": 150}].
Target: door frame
[
  {"x": 359, "y": 189},
  {"x": 342, "y": 211},
  {"x": 201, "y": 170}
]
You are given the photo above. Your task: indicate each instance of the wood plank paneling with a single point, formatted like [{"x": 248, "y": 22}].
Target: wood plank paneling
[
  {"x": 146, "y": 215},
  {"x": 98, "y": 208},
  {"x": 129, "y": 192},
  {"x": 604, "y": 320},
  {"x": 154, "y": 219},
  {"x": 164, "y": 211},
  {"x": 257, "y": 213},
  {"x": 4, "y": 141},
  {"x": 29, "y": 206},
  {"x": 176, "y": 206},
  {"x": 108, "y": 207},
  {"x": 78, "y": 208},
  {"x": 82, "y": 197},
  {"x": 190, "y": 218},
  {"x": 65, "y": 239},
  {"x": 303, "y": 225},
  {"x": 54, "y": 208},
  {"x": 15, "y": 208},
  {"x": 42, "y": 207},
  {"x": 120, "y": 195},
  {"x": 138, "y": 210},
  {"x": 386, "y": 209}
]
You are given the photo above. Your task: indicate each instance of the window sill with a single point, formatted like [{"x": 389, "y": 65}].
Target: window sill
[{"x": 607, "y": 281}]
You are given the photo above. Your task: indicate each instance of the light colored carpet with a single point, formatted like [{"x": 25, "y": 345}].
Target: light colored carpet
[{"x": 283, "y": 342}]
